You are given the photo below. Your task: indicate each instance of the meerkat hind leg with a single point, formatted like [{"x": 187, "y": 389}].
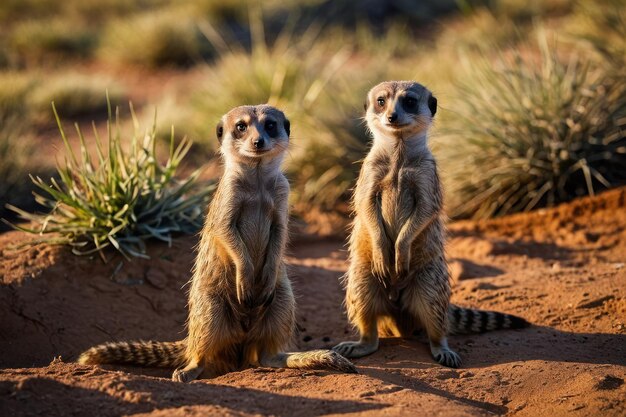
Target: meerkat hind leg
[
  {"x": 188, "y": 373},
  {"x": 443, "y": 354},
  {"x": 431, "y": 312},
  {"x": 435, "y": 329}
]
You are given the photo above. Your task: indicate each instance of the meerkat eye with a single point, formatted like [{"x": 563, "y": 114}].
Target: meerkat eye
[
  {"x": 410, "y": 103},
  {"x": 241, "y": 127},
  {"x": 270, "y": 127},
  {"x": 381, "y": 101}
]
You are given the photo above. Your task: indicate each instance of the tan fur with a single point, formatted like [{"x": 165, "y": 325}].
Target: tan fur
[
  {"x": 241, "y": 306},
  {"x": 398, "y": 278}
]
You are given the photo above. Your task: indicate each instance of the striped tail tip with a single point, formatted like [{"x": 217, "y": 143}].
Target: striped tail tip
[
  {"x": 143, "y": 353},
  {"x": 340, "y": 363},
  {"x": 320, "y": 359},
  {"x": 467, "y": 321},
  {"x": 89, "y": 357},
  {"x": 518, "y": 322}
]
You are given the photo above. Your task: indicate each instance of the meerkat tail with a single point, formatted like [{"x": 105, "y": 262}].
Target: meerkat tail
[
  {"x": 144, "y": 353},
  {"x": 466, "y": 320},
  {"x": 315, "y": 359}
]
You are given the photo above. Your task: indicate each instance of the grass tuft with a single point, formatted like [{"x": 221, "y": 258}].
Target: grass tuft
[
  {"x": 532, "y": 131},
  {"x": 121, "y": 198}
]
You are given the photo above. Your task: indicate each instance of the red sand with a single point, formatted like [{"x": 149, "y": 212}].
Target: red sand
[{"x": 563, "y": 269}]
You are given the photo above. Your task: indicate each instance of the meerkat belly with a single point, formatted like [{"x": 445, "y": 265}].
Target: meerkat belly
[
  {"x": 390, "y": 212},
  {"x": 254, "y": 226},
  {"x": 397, "y": 204}
]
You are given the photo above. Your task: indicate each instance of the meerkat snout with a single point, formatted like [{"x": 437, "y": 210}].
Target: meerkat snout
[
  {"x": 401, "y": 108},
  {"x": 253, "y": 133}
]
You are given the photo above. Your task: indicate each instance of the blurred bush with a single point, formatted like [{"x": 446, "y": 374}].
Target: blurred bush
[
  {"x": 16, "y": 151},
  {"x": 34, "y": 42},
  {"x": 29, "y": 95},
  {"x": 160, "y": 38},
  {"x": 512, "y": 107},
  {"x": 75, "y": 95},
  {"x": 92, "y": 10},
  {"x": 283, "y": 75},
  {"x": 603, "y": 24},
  {"x": 531, "y": 131},
  {"x": 297, "y": 77},
  {"x": 15, "y": 88}
]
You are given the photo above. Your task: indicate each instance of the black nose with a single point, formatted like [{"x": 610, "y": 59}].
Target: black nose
[
  {"x": 258, "y": 143},
  {"x": 393, "y": 117}
]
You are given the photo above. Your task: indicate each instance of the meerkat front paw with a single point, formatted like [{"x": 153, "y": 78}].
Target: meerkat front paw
[
  {"x": 380, "y": 263},
  {"x": 245, "y": 294}
]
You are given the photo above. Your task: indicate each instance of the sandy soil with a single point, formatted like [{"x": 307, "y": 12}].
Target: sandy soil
[{"x": 563, "y": 269}]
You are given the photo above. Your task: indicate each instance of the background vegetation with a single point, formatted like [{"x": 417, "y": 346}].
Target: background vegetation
[{"x": 532, "y": 93}]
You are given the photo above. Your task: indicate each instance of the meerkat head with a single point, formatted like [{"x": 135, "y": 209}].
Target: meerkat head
[
  {"x": 252, "y": 134},
  {"x": 401, "y": 109}
]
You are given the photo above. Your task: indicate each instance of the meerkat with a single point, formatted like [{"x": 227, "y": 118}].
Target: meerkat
[
  {"x": 398, "y": 279},
  {"x": 241, "y": 305}
]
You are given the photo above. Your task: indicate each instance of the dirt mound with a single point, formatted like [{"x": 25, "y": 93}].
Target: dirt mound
[
  {"x": 562, "y": 268},
  {"x": 595, "y": 221}
]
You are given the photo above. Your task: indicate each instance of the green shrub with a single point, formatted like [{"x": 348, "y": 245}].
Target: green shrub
[
  {"x": 154, "y": 39},
  {"x": 121, "y": 199},
  {"x": 531, "y": 131}
]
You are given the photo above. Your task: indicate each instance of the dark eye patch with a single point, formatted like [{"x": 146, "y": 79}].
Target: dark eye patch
[
  {"x": 380, "y": 101},
  {"x": 287, "y": 127},
  {"x": 219, "y": 131},
  {"x": 410, "y": 104},
  {"x": 270, "y": 128},
  {"x": 432, "y": 104}
]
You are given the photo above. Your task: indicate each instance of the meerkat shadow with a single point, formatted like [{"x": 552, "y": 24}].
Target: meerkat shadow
[
  {"x": 422, "y": 387},
  {"x": 55, "y": 398},
  {"x": 505, "y": 346}
]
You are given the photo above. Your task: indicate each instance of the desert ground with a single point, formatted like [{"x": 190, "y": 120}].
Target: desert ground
[{"x": 562, "y": 269}]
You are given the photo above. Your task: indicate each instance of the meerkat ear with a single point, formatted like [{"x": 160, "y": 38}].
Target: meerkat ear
[
  {"x": 219, "y": 131},
  {"x": 432, "y": 104},
  {"x": 366, "y": 104},
  {"x": 287, "y": 125}
]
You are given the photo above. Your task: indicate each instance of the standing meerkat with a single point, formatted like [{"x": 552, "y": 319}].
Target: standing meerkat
[
  {"x": 241, "y": 306},
  {"x": 398, "y": 280}
]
